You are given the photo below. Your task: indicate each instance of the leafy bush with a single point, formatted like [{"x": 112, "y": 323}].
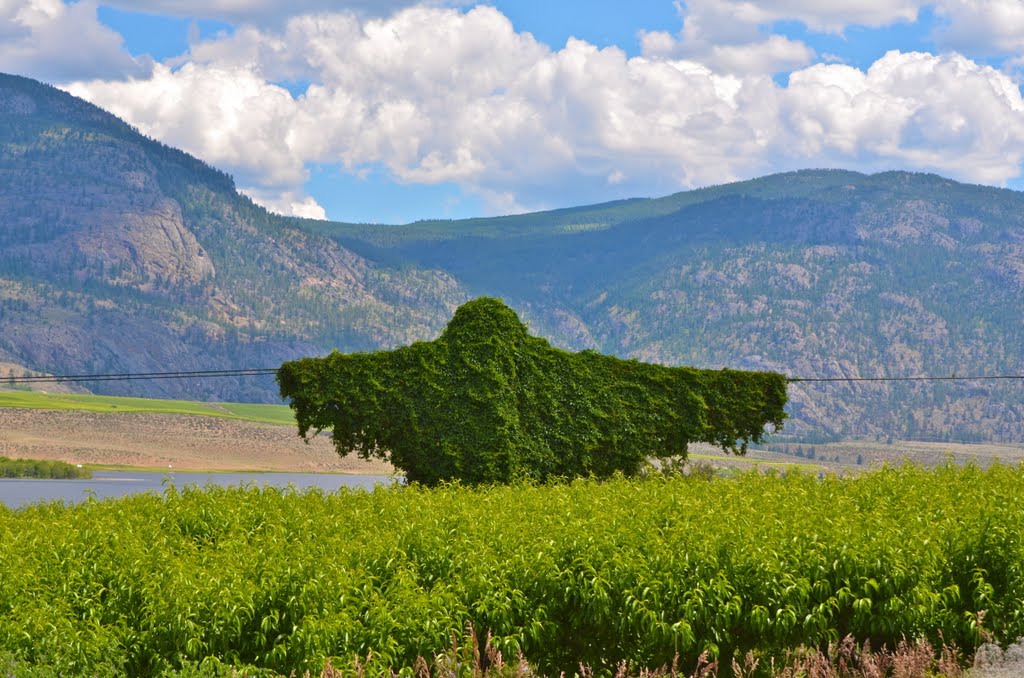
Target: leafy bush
[
  {"x": 41, "y": 468},
  {"x": 487, "y": 402},
  {"x": 588, "y": 572}
]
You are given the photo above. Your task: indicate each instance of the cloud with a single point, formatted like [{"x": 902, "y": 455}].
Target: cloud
[
  {"x": 982, "y": 26},
  {"x": 228, "y": 116},
  {"x": 288, "y": 203},
  {"x": 270, "y": 11},
  {"x": 736, "y": 35},
  {"x": 440, "y": 96},
  {"x": 773, "y": 54},
  {"x": 727, "y": 37},
  {"x": 939, "y": 113},
  {"x": 824, "y": 17},
  {"x": 47, "y": 39},
  {"x": 444, "y": 96}
]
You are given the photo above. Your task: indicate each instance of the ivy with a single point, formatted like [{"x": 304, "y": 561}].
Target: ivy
[{"x": 486, "y": 402}]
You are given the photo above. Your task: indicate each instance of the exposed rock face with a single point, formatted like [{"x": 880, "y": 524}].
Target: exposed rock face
[
  {"x": 97, "y": 209},
  {"x": 149, "y": 249}
]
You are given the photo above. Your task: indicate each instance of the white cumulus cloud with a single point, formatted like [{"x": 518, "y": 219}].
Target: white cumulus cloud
[
  {"x": 446, "y": 96},
  {"x": 772, "y": 54},
  {"x": 229, "y": 116},
  {"x": 972, "y": 27},
  {"x": 940, "y": 113},
  {"x": 288, "y": 203},
  {"x": 728, "y": 36},
  {"x": 47, "y": 39},
  {"x": 437, "y": 95},
  {"x": 982, "y": 26}
]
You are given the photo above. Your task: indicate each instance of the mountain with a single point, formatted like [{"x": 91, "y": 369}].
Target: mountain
[
  {"x": 120, "y": 254},
  {"x": 812, "y": 273}
]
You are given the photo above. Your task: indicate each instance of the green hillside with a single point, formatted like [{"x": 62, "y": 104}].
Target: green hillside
[{"x": 265, "y": 413}]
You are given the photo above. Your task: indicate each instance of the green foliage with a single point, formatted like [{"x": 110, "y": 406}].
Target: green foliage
[
  {"x": 40, "y": 468},
  {"x": 593, "y": 572},
  {"x": 487, "y": 402}
]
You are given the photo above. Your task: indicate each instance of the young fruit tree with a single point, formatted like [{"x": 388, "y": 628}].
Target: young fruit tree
[{"x": 486, "y": 402}]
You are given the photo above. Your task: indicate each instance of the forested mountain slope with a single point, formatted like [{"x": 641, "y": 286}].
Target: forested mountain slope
[{"x": 120, "y": 254}]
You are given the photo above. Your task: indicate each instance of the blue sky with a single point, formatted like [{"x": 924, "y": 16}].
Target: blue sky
[
  {"x": 604, "y": 23},
  {"x": 392, "y": 111}
]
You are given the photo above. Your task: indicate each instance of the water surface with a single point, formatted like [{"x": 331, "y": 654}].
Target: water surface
[{"x": 15, "y": 492}]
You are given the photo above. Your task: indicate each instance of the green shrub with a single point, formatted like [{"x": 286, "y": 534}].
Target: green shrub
[
  {"x": 487, "y": 402},
  {"x": 41, "y": 468}
]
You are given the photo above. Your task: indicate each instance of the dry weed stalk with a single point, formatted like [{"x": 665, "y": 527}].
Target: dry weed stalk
[{"x": 844, "y": 659}]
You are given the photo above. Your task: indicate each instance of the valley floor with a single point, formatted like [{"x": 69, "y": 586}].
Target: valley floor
[
  {"x": 160, "y": 440},
  {"x": 211, "y": 443},
  {"x": 861, "y": 455}
]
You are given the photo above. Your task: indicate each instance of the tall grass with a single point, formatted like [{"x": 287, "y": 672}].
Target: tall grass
[{"x": 625, "y": 573}]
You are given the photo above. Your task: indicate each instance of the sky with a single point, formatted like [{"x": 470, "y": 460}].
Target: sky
[{"x": 390, "y": 111}]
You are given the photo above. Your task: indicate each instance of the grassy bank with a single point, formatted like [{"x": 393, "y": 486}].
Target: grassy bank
[
  {"x": 640, "y": 572},
  {"x": 270, "y": 414}
]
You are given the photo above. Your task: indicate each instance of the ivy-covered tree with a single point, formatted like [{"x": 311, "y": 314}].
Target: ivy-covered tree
[{"x": 487, "y": 402}]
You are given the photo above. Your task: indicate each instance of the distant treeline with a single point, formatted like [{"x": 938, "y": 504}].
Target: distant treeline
[{"x": 40, "y": 468}]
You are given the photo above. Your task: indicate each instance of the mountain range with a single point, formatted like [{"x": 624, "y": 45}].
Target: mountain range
[{"x": 120, "y": 254}]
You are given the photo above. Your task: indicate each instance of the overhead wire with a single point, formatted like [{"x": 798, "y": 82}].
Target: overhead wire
[
  {"x": 267, "y": 371},
  {"x": 131, "y": 376},
  {"x": 986, "y": 377}
]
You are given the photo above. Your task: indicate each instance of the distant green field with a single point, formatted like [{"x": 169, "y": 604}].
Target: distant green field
[
  {"x": 271, "y": 414},
  {"x": 756, "y": 462}
]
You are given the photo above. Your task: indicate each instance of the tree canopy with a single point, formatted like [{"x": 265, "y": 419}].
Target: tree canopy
[{"x": 487, "y": 402}]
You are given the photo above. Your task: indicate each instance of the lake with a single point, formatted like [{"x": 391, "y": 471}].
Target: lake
[{"x": 15, "y": 492}]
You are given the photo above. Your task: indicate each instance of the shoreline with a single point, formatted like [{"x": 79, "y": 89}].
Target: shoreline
[{"x": 222, "y": 471}]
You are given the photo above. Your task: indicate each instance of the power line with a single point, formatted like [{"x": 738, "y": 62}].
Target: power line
[
  {"x": 132, "y": 376},
  {"x": 267, "y": 371},
  {"x": 987, "y": 377}
]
